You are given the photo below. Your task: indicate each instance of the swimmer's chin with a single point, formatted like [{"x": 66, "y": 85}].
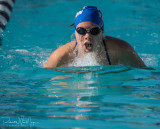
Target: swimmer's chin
[{"x": 88, "y": 51}]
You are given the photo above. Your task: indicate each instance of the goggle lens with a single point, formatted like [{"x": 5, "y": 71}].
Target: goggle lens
[{"x": 93, "y": 31}]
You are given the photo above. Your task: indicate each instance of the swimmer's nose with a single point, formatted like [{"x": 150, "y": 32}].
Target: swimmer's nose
[{"x": 88, "y": 36}]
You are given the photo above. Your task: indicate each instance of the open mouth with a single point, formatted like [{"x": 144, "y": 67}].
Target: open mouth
[{"x": 88, "y": 46}]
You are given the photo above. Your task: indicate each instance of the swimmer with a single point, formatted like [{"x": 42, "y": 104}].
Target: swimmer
[{"x": 90, "y": 40}]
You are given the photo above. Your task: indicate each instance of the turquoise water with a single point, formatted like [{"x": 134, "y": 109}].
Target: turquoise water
[{"x": 112, "y": 97}]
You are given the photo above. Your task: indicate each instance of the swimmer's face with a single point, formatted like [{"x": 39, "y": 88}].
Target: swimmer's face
[{"x": 88, "y": 42}]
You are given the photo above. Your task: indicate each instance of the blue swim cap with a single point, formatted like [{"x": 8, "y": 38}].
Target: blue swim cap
[{"x": 89, "y": 13}]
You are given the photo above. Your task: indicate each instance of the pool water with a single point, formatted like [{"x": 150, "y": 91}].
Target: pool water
[{"x": 89, "y": 97}]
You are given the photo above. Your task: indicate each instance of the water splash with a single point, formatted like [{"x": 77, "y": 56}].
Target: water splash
[{"x": 88, "y": 60}]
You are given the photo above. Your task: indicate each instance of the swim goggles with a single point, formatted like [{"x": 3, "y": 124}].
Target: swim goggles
[{"x": 93, "y": 31}]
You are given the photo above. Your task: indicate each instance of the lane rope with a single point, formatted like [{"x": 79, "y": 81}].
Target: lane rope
[{"x": 5, "y": 11}]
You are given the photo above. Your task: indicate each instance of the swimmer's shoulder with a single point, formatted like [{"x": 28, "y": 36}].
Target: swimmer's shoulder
[
  {"x": 66, "y": 49},
  {"x": 66, "y": 53},
  {"x": 117, "y": 48},
  {"x": 61, "y": 55},
  {"x": 123, "y": 53},
  {"x": 116, "y": 43}
]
